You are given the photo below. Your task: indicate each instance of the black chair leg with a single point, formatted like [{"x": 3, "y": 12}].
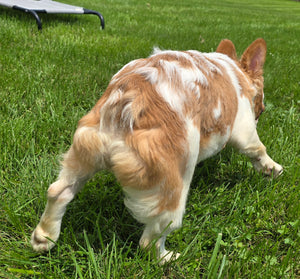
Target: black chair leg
[
  {"x": 34, "y": 13},
  {"x": 91, "y": 12}
]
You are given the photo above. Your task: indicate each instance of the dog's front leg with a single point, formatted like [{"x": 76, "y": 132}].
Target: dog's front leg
[
  {"x": 249, "y": 144},
  {"x": 261, "y": 160}
]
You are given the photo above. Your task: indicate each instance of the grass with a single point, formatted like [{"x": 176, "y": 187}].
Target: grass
[{"x": 237, "y": 224}]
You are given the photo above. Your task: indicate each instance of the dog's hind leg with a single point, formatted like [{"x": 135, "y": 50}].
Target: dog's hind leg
[
  {"x": 156, "y": 230},
  {"x": 79, "y": 164},
  {"x": 162, "y": 206},
  {"x": 60, "y": 193}
]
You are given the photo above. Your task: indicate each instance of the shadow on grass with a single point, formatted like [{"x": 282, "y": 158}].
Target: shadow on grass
[
  {"x": 99, "y": 210},
  {"x": 220, "y": 169}
]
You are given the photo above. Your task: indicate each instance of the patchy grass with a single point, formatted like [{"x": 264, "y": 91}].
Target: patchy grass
[{"x": 237, "y": 225}]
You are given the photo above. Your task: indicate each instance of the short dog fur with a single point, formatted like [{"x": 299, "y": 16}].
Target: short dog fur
[{"x": 157, "y": 119}]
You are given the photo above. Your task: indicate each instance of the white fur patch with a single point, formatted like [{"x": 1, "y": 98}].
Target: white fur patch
[
  {"x": 244, "y": 125},
  {"x": 150, "y": 73},
  {"x": 217, "y": 111},
  {"x": 114, "y": 97},
  {"x": 215, "y": 145},
  {"x": 191, "y": 76},
  {"x": 126, "y": 116},
  {"x": 193, "y": 139},
  {"x": 174, "y": 99},
  {"x": 142, "y": 203}
]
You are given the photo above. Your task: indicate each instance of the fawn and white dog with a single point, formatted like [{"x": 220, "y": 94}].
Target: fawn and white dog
[{"x": 157, "y": 119}]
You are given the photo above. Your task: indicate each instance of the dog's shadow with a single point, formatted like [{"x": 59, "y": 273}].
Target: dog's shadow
[
  {"x": 99, "y": 211},
  {"x": 223, "y": 168}
]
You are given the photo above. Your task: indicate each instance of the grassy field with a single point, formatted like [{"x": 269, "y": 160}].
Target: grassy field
[{"x": 237, "y": 224}]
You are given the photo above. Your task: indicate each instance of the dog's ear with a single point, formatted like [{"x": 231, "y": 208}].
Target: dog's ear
[
  {"x": 227, "y": 47},
  {"x": 254, "y": 57}
]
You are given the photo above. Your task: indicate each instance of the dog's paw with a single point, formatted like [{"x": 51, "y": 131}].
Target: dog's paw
[
  {"x": 274, "y": 170},
  {"x": 42, "y": 241},
  {"x": 168, "y": 256},
  {"x": 267, "y": 166}
]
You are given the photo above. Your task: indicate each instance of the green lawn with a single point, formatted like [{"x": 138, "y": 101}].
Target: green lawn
[{"x": 238, "y": 224}]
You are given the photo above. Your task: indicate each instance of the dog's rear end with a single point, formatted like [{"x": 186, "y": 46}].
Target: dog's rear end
[{"x": 158, "y": 117}]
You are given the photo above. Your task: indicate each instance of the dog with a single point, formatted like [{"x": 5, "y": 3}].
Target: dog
[{"x": 157, "y": 119}]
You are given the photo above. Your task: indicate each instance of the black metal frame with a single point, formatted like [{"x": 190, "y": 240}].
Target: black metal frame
[
  {"x": 39, "y": 22},
  {"x": 91, "y": 12}
]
